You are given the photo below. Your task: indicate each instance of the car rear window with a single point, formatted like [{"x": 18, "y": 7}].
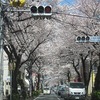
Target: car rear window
[{"x": 77, "y": 85}]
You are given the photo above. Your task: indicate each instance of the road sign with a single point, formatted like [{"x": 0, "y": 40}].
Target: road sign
[
  {"x": 17, "y": 3},
  {"x": 94, "y": 39}
]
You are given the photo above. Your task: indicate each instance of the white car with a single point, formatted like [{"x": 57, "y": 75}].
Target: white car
[
  {"x": 46, "y": 90},
  {"x": 74, "y": 90}
]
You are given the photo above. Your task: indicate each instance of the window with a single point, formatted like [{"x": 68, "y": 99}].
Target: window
[{"x": 77, "y": 85}]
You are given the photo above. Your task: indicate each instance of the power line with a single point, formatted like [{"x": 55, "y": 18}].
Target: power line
[
  {"x": 62, "y": 22},
  {"x": 74, "y": 15}
]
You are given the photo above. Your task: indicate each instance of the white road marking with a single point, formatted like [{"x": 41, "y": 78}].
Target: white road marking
[
  {"x": 58, "y": 98},
  {"x": 38, "y": 97}
]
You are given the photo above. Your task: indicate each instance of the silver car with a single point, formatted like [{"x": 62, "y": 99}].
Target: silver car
[{"x": 63, "y": 92}]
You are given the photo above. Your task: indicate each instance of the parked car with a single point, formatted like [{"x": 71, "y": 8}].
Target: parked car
[
  {"x": 63, "y": 91},
  {"x": 74, "y": 90},
  {"x": 46, "y": 90},
  {"x": 54, "y": 89},
  {"x": 62, "y": 87},
  {"x": 59, "y": 89}
]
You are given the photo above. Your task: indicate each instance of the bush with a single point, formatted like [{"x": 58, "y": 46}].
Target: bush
[
  {"x": 36, "y": 93},
  {"x": 24, "y": 95},
  {"x": 96, "y": 95},
  {"x": 16, "y": 97}
]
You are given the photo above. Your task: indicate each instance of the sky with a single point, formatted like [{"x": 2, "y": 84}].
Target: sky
[{"x": 69, "y": 2}]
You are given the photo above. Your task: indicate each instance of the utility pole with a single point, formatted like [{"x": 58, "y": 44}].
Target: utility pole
[{"x": 1, "y": 52}]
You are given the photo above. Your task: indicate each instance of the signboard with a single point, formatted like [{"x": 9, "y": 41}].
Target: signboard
[{"x": 94, "y": 39}]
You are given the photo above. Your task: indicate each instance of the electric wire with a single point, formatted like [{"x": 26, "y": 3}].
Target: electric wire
[{"x": 75, "y": 15}]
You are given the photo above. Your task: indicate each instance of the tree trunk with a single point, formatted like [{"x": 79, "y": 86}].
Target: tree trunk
[
  {"x": 97, "y": 79},
  {"x": 14, "y": 82},
  {"x": 68, "y": 75},
  {"x": 84, "y": 71},
  {"x": 15, "y": 75},
  {"x": 38, "y": 83},
  {"x": 97, "y": 84}
]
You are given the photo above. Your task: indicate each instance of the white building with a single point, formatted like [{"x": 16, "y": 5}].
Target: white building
[{"x": 6, "y": 75}]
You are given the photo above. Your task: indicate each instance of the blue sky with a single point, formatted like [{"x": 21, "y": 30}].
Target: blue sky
[{"x": 69, "y": 2}]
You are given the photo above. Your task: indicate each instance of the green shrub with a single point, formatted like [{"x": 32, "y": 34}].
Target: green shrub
[
  {"x": 36, "y": 93},
  {"x": 24, "y": 95},
  {"x": 16, "y": 97},
  {"x": 96, "y": 95}
]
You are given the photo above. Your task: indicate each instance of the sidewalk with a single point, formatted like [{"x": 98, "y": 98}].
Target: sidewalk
[
  {"x": 30, "y": 98},
  {"x": 4, "y": 98}
]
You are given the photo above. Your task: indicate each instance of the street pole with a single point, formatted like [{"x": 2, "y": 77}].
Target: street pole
[
  {"x": 1, "y": 53},
  {"x": 11, "y": 81}
]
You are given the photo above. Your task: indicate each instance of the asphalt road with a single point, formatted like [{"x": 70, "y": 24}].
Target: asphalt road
[{"x": 52, "y": 96}]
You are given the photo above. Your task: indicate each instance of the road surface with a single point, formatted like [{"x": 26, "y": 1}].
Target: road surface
[{"x": 52, "y": 96}]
